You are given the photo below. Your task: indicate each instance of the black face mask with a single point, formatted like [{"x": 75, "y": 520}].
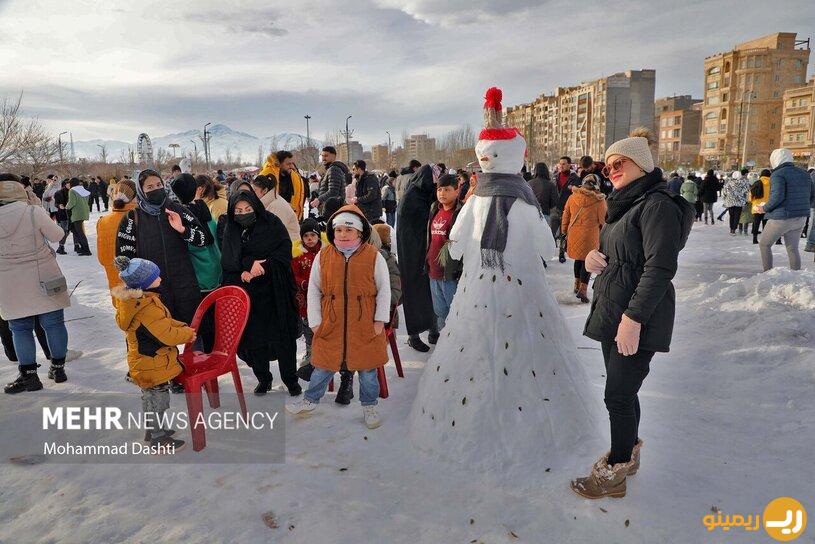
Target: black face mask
[
  {"x": 156, "y": 196},
  {"x": 245, "y": 219}
]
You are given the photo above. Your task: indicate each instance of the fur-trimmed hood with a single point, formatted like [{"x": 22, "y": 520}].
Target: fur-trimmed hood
[
  {"x": 131, "y": 303},
  {"x": 589, "y": 194}
]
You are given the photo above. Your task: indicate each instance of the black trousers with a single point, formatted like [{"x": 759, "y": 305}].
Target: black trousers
[
  {"x": 286, "y": 354},
  {"x": 699, "y": 209},
  {"x": 8, "y": 342},
  {"x": 104, "y": 197},
  {"x": 624, "y": 377},
  {"x": 94, "y": 199},
  {"x": 735, "y": 214},
  {"x": 80, "y": 240},
  {"x": 580, "y": 272},
  {"x": 758, "y": 218}
]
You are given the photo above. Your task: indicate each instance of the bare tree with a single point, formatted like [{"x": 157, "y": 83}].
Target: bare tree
[
  {"x": 40, "y": 154},
  {"x": 16, "y": 134}
]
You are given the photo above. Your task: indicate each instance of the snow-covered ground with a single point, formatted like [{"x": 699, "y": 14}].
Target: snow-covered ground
[{"x": 727, "y": 424}]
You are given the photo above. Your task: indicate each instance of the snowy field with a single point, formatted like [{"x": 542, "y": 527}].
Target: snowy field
[{"x": 727, "y": 423}]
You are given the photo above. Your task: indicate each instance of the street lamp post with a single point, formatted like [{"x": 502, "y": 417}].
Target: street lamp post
[
  {"x": 103, "y": 153},
  {"x": 347, "y": 140},
  {"x": 206, "y": 145},
  {"x": 389, "y": 148},
  {"x": 59, "y": 143}
]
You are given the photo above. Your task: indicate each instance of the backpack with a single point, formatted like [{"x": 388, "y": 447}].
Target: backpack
[{"x": 757, "y": 189}]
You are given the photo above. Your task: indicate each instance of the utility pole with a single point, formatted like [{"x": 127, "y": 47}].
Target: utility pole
[
  {"x": 73, "y": 153},
  {"x": 103, "y": 152},
  {"x": 308, "y": 131}
]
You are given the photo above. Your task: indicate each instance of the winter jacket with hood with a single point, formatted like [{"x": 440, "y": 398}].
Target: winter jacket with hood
[
  {"x": 369, "y": 196},
  {"x": 346, "y": 296},
  {"x": 791, "y": 188},
  {"x": 276, "y": 205},
  {"x": 545, "y": 190},
  {"x": 152, "y": 336},
  {"x": 584, "y": 214},
  {"x": 333, "y": 182},
  {"x": 292, "y": 188},
  {"x": 689, "y": 191},
  {"x": 26, "y": 259},
  {"x": 641, "y": 239},
  {"x": 78, "y": 204}
]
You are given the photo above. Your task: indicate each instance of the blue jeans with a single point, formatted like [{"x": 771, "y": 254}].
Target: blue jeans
[
  {"x": 442, "y": 292},
  {"x": 368, "y": 386},
  {"x": 390, "y": 218},
  {"x": 811, "y": 235},
  {"x": 22, "y": 332}
]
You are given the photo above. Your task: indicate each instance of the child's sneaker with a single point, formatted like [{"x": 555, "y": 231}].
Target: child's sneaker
[
  {"x": 372, "y": 420},
  {"x": 148, "y": 435},
  {"x": 300, "y": 406}
]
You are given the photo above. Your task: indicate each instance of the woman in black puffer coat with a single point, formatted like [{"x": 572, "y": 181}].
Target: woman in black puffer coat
[{"x": 632, "y": 313}]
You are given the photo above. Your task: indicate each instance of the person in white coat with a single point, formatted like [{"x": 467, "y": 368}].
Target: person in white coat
[
  {"x": 31, "y": 284},
  {"x": 265, "y": 187}
]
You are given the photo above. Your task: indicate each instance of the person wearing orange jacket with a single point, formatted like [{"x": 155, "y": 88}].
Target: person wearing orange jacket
[
  {"x": 290, "y": 184},
  {"x": 583, "y": 216},
  {"x": 108, "y": 225}
]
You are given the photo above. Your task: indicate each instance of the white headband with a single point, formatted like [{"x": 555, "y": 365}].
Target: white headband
[{"x": 347, "y": 219}]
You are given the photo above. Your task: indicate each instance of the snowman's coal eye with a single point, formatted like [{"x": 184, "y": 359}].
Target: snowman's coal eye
[{"x": 495, "y": 154}]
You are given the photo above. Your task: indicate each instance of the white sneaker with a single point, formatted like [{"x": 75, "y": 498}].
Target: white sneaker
[
  {"x": 372, "y": 420},
  {"x": 300, "y": 406},
  {"x": 72, "y": 354}
]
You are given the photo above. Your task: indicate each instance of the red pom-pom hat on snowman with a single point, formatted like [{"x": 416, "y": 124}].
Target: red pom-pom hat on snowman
[{"x": 499, "y": 150}]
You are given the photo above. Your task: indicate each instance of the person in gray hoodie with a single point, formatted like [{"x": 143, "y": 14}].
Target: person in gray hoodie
[{"x": 791, "y": 191}]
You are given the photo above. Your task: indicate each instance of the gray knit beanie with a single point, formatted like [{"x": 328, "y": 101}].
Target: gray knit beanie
[{"x": 635, "y": 148}]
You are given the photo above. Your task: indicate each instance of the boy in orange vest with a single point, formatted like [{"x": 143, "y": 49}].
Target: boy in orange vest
[{"x": 348, "y": 305}]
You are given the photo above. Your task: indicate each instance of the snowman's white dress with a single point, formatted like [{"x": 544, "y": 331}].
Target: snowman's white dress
[{"x": 504, "y": 388}]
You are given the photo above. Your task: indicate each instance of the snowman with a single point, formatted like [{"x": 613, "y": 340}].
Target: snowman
[{"x": 504, "y": 389}]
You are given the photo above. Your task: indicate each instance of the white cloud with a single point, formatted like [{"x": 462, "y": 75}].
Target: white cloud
[{"x": 259, "y": 66}]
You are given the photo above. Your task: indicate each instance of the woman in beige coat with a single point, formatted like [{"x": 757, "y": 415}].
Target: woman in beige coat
[
  {"x": 31, "y": 284},
  {"x": 265, "y": 187}
]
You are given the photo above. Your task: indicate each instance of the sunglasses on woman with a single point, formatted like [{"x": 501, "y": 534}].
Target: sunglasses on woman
[{"x": 613, "y": 167}]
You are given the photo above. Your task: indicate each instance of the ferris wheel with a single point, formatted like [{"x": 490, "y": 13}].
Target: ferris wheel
[{"x": 144, "y": 148}]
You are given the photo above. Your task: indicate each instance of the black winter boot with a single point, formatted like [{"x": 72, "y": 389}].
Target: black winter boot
[
  {"x": 57, "y": 371},
  {"x": 433, "y": 337},
  {"x": 263, "y": 388},
  {"x": 416, "y": 343},
  {"x": 346, "y": 390},
  {"x": 61, "y": 250},
  {"x": 27, "y": 380},
  {"x": 305, "y": 371}
]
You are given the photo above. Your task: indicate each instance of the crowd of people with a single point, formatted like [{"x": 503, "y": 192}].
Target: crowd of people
[{"x": 314, "y": 254}]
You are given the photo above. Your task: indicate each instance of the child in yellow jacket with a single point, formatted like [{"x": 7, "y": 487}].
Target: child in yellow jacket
[{"x": 152, "y": 337}]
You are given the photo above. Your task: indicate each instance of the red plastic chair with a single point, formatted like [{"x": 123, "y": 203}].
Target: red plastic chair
[
  {"x": 202, "y": 369},
  {"x": 390, "y": 333}
]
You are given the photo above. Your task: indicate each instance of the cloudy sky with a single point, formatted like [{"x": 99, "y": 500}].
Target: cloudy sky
[{"x": 111, "y": 69}]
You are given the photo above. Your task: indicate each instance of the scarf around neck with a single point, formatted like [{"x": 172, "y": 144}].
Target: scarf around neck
[
  {"x": 504, "y": 190},
  {"x": 621, "y": 201}
]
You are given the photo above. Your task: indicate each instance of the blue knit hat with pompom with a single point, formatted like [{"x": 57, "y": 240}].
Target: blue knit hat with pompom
[{"x": 137, "y": 273}]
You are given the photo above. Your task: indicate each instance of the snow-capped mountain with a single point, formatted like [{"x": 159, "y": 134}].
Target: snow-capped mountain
[{"x": 223, "y": 141}]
